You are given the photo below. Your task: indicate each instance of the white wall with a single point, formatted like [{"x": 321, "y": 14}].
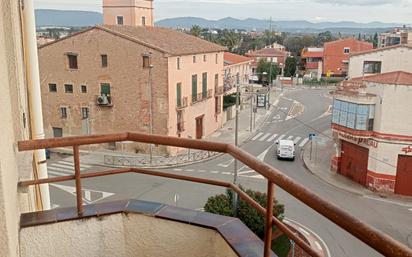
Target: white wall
[
  {"x": 122, "y": 235},
  {"x": 393, "y": 59}
]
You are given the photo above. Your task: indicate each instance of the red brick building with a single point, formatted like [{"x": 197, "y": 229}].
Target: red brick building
[{"x": 336, "y": 55}]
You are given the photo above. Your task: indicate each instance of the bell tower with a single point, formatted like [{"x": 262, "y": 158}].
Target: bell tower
[{"x": 128, "y": 12}]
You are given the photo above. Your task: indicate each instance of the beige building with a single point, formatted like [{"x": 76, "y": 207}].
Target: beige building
[
  {"x": 398, "y": 36},
  {"x": 373, "y": 131},
  {"x": 128, "y": 12},
  {"x": 111, "y": 78},
  {"x": 236, "y": 66},
  {"x": 381, "y": 60}
]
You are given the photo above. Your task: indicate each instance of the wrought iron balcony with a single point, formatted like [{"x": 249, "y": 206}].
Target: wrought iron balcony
[
  {"x": 376, "y": 239},
  {"x": 182, "y": 103}
]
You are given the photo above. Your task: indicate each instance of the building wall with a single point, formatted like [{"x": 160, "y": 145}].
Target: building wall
[
  {"x": 211, "y": 121},
  {"x": 393, "y": 59},
  {"x": 335, "y": 60},
  {"x": 126, "y": 75},
  {"x": 131, "y": 10},
  {"x": 244, "y": 70},
  {"x": 123, "y": 236},
  {"x": 14, "y": 126}
]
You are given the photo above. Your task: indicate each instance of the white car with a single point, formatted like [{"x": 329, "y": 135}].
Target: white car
[{"x": 285, "y": 149}]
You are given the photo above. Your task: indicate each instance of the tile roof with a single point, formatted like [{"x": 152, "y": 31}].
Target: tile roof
[
  {"x": 267, "y": 52},
  {"x": 231, "y": 59},
  {"x": 392, "y": 78},
  {"x": 165, "y": 39},
  {"x": 381, "y": 49}
]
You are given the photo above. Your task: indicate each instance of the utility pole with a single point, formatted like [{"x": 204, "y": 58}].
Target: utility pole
[
  {"x": 149, "y": 83},
  {"x": 236, "y": 141},
  {"x": 251, "y": 110}
]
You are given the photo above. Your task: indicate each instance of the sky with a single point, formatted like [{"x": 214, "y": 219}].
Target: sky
[{"x": 398, "y": 11}]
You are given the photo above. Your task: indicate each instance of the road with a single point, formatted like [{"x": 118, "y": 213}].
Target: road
[{"x": 312, "y": 109}]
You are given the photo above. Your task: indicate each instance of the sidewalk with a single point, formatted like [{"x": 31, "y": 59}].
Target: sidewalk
[
  {"x": 320, "y": 163},
  {"x": 224, "y": 135}
]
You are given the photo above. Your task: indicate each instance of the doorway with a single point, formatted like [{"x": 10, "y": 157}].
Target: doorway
[{"x": 199, "y": 127}]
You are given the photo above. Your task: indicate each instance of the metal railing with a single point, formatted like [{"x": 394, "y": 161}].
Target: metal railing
[
  {"x": 219, "y": 90},
  {"x": 378, "y": 240},
  {"x": 180, "y": 126},
  {"x": 182, "y": 103}
]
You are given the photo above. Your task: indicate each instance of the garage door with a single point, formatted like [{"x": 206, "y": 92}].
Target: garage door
[
  {"x": 403, "y": 184},
  {"x": 354, "y": 162}
]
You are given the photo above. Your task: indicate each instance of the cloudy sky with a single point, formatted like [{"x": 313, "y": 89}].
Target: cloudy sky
[{"x": 399, "y": 11}]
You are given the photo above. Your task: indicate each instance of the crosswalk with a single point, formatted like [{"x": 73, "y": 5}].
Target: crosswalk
[
  {"x": 269, "y": 137},
  {"x": 63, "y": 168}
]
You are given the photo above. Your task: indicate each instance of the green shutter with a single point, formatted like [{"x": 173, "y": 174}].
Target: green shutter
[
  {"x": 204, "y": 85},
  {"x": 105, "y": 88},
  {"x": 194, "y": 88},
  {"x": 179, "y": 94}
]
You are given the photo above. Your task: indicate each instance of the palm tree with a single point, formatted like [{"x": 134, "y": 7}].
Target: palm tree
[{"x": 196, "y": 31}]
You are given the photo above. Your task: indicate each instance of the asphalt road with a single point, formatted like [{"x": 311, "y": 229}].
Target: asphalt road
[{"x": 389, "y": 217}]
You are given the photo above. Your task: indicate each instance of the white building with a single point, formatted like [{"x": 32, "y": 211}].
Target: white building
[
  {"x": 372, "y": 127},
  {"x": 381, "y": 60}
]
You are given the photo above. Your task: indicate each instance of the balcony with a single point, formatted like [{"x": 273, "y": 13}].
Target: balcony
[
  {"x": 155, "y": 230},
  {"x": 104, "y": 100},
  {"x": 312, "y": 65},
  {"x": 180, "y": 127},
  {"x": 219, "y": 91},
  {"x": 182, "y": 103},
  {"x": 200, "y": 97}
]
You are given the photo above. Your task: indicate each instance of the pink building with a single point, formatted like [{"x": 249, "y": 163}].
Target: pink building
[
  {"x": 236, "y": 65},
  {"x": 128, "y": 12}
]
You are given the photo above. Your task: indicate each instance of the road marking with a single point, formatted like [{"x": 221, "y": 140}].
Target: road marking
[
  {"x": 257, "y": 136},
  {"x": 281, "y": 137},
  {"x": 177, "y": 169},
  {"x": 318, "y": 246},
  {"x": 58, "y": 174},
  {"x": 297, "y": 140},
  {"x": 272, "y": 137},
  {"x": 89, "y": 196},
  {"x": 201, "y": 171},
  {"x": 257, "y": 176},
  {"x": 246, "y": 172},
  {"x": 264, "y": 137},
  {"x": 290, "y": 137},
  {"x": 304, "y": 231},
  {"x": 410, "y": 209},
  {"x": 190, "y": 170},
  {"x": 225, "y": 165},
  {"x": 214, "y": 172},
  {"x": 303, "y": 143},
  {"x": 227, "y": 173},
  {"x": 71, "y": 163},
  {"x": 387, "y": 201}
]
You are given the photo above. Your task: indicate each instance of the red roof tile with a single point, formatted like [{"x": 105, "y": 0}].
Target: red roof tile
[
  {"x": 393, "y": 78},
  {"x": 231, "y": 59},
  {"x": 267, "y": 52},
  {"x": 380, "y": 49}
]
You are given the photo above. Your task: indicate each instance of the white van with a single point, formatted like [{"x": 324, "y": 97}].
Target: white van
[{"x": 285, "y": 149}]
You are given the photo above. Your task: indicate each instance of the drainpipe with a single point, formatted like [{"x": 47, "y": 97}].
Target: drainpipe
[{"x": 34, "y": 95}]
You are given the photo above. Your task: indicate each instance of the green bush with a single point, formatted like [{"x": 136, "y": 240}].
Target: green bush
[
  {"x": 229, "y": 100},
  {"x": 255, "y": 221}
]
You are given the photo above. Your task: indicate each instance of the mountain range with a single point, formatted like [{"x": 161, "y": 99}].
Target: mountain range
[{"x": 45, "y": 17}]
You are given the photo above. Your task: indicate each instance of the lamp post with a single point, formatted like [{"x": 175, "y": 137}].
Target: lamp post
[
  {"x": 149, "y": 83},
  {"x": 236, "y": 141}
]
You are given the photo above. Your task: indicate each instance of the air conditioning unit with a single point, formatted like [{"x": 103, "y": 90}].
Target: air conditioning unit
[{"x": 102, "y": 100}]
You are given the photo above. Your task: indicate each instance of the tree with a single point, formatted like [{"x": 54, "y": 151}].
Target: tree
[
  {"x": 264, "y": 71},
  {"x": 375, "y": 40},
  {"x": 290, "y": 66},
  {"x": 230, "y": 39},
  {"x": 254, "y": 220},
  {"x": 196, "y": 31},
  {"x": 324, "y": 37}
]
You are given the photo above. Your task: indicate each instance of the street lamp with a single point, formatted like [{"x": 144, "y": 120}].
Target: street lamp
[{"x": 149, "y": 85}]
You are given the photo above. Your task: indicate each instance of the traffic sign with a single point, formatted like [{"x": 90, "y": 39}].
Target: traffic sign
[{"x": 312, "y": 136}]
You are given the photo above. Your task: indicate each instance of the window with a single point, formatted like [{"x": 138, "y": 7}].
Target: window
[
  {"x": 146, "y": 61},
  {"x": 72, "y": 60},
  {"x": 52, "y": 87},
  {"x": 57, "y": 132},
  {"x": 179, "y": 94},
  {"x": 143, "y": 21},
  {"x": 204, "y": 85},
  {"x": 194, "y": 58},
  {"x": 178, "y": 63},
  {"x": 63, "y": 112},
  {"x": 119, "y": 20},
  {"x": 218, "y": 104},
  {"x": 346, "y": 50},
  {"x": 83, "y": 88},
  {"x": 216, "y": 80},
  {"x": 104, "y": 60},
  {"x": 353, "y": 115},
  {"x": 85, "y": 112},
  {"x": 194, "y": 88},
  {"x": 216, "y": 58},
  {"x": 372, "y": 67},
  {"x": 105, "y": 89},
  {"x": 204, "y": 58},
  {"x": 68, "y": 88},
  {"x": 180, "y": 123}
]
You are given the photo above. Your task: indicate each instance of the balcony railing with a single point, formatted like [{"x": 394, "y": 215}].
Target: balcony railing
[
  {"x": 182, "y": 103},
  {"x": 180, "y": 126},
  {"x": 202, "y": 96},
  {"x": 378, "y": 240},
  {"x": 219, "y": 91}
]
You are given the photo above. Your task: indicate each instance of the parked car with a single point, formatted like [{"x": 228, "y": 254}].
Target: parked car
[{"x": 285, "y": 149}]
